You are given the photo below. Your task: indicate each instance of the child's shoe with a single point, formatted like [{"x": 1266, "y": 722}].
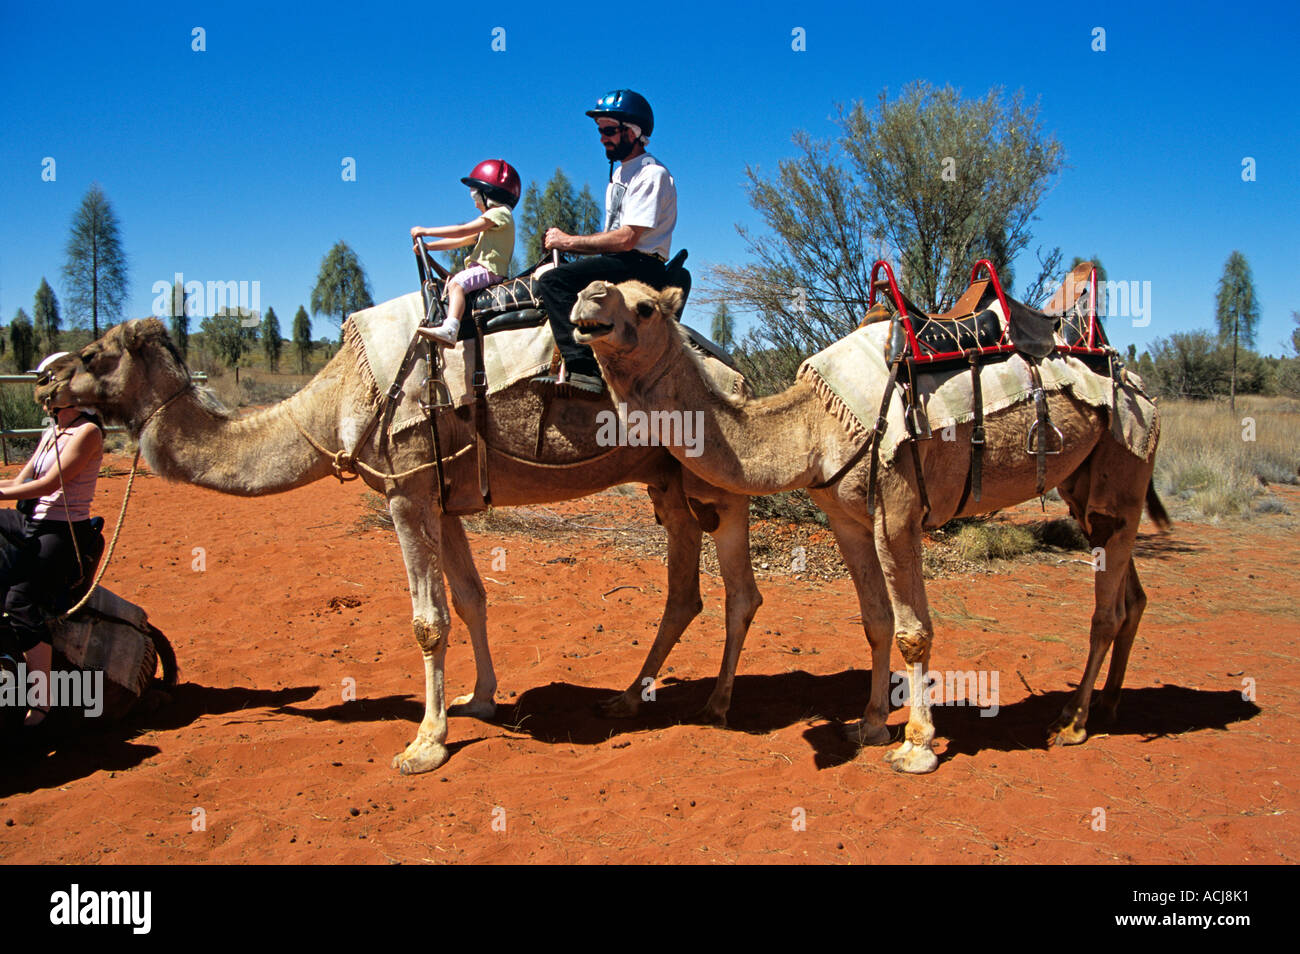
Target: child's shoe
[{"x": 444, "y": 334}]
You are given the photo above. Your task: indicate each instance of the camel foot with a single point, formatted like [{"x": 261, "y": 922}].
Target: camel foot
[
  {"x": 1067, "y": 734},
  {"x": 1106, "y": 710},
  {"x": 912, "y": 759},
  {"x": 622, "y": 706},
  {"x": 420, "y": 757},
  {"x": 711, "y": 714},
  {"x": 473, "y": 707},
  {"x": 860, "y": 733}
]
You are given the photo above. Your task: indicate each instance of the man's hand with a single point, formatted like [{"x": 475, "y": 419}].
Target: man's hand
[{"x": 558, "y": 240}]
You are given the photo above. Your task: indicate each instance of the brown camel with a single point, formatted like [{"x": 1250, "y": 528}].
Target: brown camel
[
  {"x": 791, "y": 440},
  {"x": 135, "y": 375}
]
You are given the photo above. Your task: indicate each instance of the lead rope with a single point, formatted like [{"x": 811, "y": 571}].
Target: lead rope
[{"x": 121, "y": 516}]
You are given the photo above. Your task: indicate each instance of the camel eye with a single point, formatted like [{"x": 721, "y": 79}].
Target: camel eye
[{"x": 644, "y": 309}]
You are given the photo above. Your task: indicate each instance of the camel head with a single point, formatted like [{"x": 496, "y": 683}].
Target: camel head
[
  {"x": 630, "y": 326},
  {"x": 127, "y": 374}
]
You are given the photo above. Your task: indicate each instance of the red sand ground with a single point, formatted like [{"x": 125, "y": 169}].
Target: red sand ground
[{"x": 297, "y": 596}]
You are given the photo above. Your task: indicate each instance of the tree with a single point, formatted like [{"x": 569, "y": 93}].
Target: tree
[
  {"x": 559, "y": 207},
  {"x": 341, "y": 286},
  {"x": 723, "y": 331},
  {"x": 226, "y": 334},
  {"x": 180, "y": 319},
  {"x": 1188, "y": 364},
  {"x": 271, "y": 343},
  {"x": 95, "y": 273},
  {"x": 45, "y": 315},
  {"x": 929, "y": 179},
  {"x": 24, "y": 341},
  {"x": 1295, "y": 333},
  {"x": 302, "y": 338},
  {"x": 1237, "y": 311}
]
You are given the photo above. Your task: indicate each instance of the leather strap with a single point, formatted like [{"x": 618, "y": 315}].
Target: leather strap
[
  {"x": 974, "y": 477},
  {"x": 881, "y": 424},
  {"x": 480, "y": 386},
  {"x": 1040, "y": 403},
  {"x": 909, "y": 402},
  {"x": 977, "y": 432}
]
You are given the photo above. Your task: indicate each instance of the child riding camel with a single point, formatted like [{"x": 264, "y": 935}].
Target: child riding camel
[{"x": 494, "y": 184}]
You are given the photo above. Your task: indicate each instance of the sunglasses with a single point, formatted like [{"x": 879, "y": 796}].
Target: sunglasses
[{"x": 610, "y": 131}]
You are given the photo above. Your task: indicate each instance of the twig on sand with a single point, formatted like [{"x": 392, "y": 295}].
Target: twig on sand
[
  {"x": 625, "y": 586},
  {"x": 1026, "y": 683}
]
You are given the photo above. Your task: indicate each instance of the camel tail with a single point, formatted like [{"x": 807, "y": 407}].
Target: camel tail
[{"x": 1155, "y": 509}]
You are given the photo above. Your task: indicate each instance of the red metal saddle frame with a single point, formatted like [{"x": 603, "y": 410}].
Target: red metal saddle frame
[{"x": 1004, "y": 345}]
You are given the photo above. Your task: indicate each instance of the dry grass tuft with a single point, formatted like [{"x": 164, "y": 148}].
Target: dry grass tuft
[{"x": 1219, "y": 464}]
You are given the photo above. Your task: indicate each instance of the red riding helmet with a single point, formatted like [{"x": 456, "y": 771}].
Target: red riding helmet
[{"x": 497, "y": 179}]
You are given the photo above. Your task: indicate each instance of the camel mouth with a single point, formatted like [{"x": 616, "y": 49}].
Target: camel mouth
[{"x": 586, "y": 330}]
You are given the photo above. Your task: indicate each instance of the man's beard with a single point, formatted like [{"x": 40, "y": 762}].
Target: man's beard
[{"x": 620, "y": 150}]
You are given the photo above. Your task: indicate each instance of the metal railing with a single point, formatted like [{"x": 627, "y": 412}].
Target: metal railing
[{"x": 30, "y": 378}]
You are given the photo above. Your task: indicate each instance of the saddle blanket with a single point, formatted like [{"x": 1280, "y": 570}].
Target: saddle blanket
[
  {"x": 382, "y": 334},
  {"x": 851, "y": 374}
]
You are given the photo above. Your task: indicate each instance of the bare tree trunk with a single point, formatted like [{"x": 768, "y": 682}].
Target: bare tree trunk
[{"x": 1232, "y": 394}]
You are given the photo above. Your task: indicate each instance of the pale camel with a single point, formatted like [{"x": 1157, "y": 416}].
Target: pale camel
[
  {"x": 135, "y": 375},
  {"x": 790, "y": 440}
]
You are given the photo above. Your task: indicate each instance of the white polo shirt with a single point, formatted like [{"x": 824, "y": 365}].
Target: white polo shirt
[{"x": 643, "y": 193}]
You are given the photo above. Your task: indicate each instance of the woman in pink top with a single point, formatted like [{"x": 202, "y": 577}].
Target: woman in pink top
[{"x": 38, "y": 561}]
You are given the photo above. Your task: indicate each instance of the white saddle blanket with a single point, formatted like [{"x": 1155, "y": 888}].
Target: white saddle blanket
[
  {"x": 851, "y": 374},
  {"x": 382, "y": 334}
]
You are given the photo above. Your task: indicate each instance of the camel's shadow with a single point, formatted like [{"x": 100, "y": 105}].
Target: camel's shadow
[
  {"x": 75, "y": 747},
  {"x": 565, "y": 713}
]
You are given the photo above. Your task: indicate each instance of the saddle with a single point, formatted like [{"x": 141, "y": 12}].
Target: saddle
[
  {"x": 508, "y": 304},
  {"x": 984, "y": 325}
]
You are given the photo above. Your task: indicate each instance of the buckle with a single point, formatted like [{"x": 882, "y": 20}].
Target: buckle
[{"x": 977, "y": 435}]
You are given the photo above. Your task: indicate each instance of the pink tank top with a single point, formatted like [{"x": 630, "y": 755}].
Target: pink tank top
[{"x": 80, "y": 490}]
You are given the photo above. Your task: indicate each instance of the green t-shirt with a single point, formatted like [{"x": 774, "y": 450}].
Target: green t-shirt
[{"x": 495, "y": 246}]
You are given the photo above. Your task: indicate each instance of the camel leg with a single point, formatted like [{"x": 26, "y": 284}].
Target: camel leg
[
  {"x": 1116, "y": 537},
  {"x": 418, "y": 530},
  {"x": 859, "y": 552},
  {"x": 683, "y": 602},
  {"x": 743, "y": 598},
  {"x": 1135, "y": 603},
  {"x": 898, "y": 544},
  {"x": 469, "y": 600}
]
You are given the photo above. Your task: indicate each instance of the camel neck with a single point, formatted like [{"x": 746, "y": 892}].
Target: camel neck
[
  {"x": 749, "y": 446},
  {"x": 191, "y": 439}
]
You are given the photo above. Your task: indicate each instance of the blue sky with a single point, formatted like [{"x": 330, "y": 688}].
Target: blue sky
[{"x": 226, "y": 164}]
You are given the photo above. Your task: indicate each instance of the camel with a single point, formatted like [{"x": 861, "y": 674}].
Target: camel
[
  {"x": 135, "y": 375},
  {"x": 791, "y": 440}
]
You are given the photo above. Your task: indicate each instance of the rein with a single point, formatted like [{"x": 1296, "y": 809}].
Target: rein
[{"x": 121, "y": 517}]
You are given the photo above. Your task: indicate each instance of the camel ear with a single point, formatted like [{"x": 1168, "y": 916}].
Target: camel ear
[
  {"x": 135, "y": 332},
  {"x": 670, "y": 302}
]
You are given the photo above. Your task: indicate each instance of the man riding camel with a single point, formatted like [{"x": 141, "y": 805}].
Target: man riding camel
[{"x": 640, "y": 213}]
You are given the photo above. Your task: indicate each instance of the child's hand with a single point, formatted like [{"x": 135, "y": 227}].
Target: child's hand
[{"x": 416, "y": 232}]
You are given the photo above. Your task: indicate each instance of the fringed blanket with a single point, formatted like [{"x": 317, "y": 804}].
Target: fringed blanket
[
  {"x": 382, "y": 334},
  {"x": 851, "y": 374}
]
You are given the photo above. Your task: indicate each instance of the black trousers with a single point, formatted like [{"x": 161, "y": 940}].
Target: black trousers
[
  {"x": 559, "y": 288},
  {"x": 37, "y": 565}
]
